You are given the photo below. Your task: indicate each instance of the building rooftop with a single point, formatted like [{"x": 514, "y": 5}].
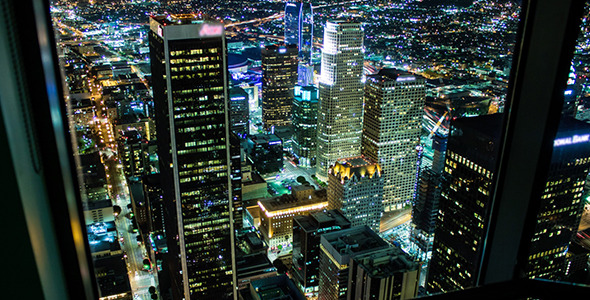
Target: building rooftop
[
  {"x": 360, "y": 166},
  {"x": 112, "y": 278},
  {"x": 347, "y": 243},
  {"x": 322, "y": 219},
  {"x": 286, "y": 204},
  {"x": 261, "y": 139},
  {"x": 97, "y": 204},
  {"x": 386, "y": 262},
  {"x": 274, "y": 288},
  {"x": 195, "y": 26},
  {"x": 281, "y": 48},
  {"x": 489, "y": 125},
  {"x": 177, "y": 19},
  {"x": 103, "y": 237},
  {"x": 253, "y": 264}
]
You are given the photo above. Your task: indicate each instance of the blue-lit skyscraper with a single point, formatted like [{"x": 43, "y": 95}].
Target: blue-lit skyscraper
[
  {"x": 299, "y": 27},
  {"x": 305, "y": 121}
]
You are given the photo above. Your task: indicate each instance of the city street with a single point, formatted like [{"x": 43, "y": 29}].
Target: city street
[
  {"x": 391, "y": 220},
  {"x": 139, "y": 278}
]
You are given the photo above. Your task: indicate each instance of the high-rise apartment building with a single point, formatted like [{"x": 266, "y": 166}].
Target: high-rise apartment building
[
  {"x": 305, "y": 121},
  {"x": 355, "y": 185},
  {"x": 340, "y": 107},
  {"x": 307, "y": 230},
  {"x": 190, "y": 87},
  {"x": 394, "y": 106},
  {"x": 279, "y": 76},
  {"x": 464, "y": 206}
]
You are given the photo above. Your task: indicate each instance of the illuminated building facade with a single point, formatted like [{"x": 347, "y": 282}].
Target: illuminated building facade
[
  {"x": 463, "y": 208},
  {"x": 355, "y": 185},
  {"x": 307, "y": 230},
  {"x": 299, "y": 27},
  {"x": 279, "y": 76},
  {"x": 134, "y": 152},
  {"x": 392, "y": 122},
  {"x": 340, "y": 107},
  {"x": 190, "y": 90},
  {"x": 276, "y": 214},
  {"x": 561, "y": 205},
  {"x": 236, "y": 179},
  {"x": 239, "y": 111},
  {"x": 305, "y": 121},
  {"x": 464, "y": 205},
  {"x": 337, "y": 249}
]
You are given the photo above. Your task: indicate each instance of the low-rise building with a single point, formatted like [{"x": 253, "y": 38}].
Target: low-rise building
[{"x": 276, "y": 214}]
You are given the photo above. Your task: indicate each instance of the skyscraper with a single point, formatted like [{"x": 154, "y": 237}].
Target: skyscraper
[
  {"x": 279, "y": 76},
  {"x": 190, "y": 88},
  {"x": 239, "y": 111},
  {"x": 425, "y": 206},
  {"x": 341, "y": 95},
  {"x": 465, "y": 202},
  {"x": 305, "y": 121},
  {"x": 467, "y": 179},
  {"x": 561, "y": 205},
  {"x": 299, "y": 27},
  {"x": 394, "y": 102},
  {"x": 355, "y": 185}
]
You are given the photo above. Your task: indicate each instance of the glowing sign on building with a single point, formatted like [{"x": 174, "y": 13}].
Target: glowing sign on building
[
  {"x": 210, "y": 30},
  {"x": 406, "y": 78},
  {"x": 576, "y": 139}
]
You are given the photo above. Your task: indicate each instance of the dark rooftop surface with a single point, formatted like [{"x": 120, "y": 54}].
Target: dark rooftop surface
[
  {"x": 354, "y": 240},
  {"x": 386, "y": 262},
  {"x": 322, "y": 219},
  {"x": 274, "y": 288}
]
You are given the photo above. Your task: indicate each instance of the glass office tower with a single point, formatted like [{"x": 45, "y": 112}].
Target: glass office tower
[
  {"x": 340, "y": 108},
  {"x": 305, "y": 121},
  {"x": 279, "y": 76},
  {"x": 464, "y": 208},
  {"x": 190, "y": 89},
  {"x": 392, "y": 123}
]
